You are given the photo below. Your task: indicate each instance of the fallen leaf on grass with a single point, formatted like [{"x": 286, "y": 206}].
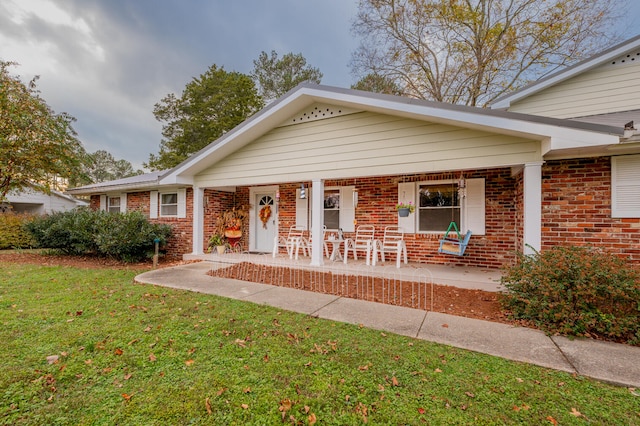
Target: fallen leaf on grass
[
  {"x": 470, "y": 395},
  {"x": 189, "y": 362},
  {"x": 576, "y": 412},
  {"x": 152, "y": 357},
  {"x": 312, "y": 419},
  {"x": 247, "y": 390},
  {"x": 221, "y": 391},
  {"x": 207, "y": 405},
  {"x": 148, "y": 329},
  {"x": 552, "y": 420},
  {"x": 285, "y": 405},
  {"x": 126, "y": 396},
  {"x": 118, "y": 351},
  {"x": 128, "y": 376},
  {"x": 394, "y": 381},
  {"x": 421, "y": 410},
  {"x": 52, "y": 359}
]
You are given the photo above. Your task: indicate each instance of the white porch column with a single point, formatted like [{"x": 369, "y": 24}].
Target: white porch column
[
  {"x": 317, "y": 221},
  {"x": 532, "y": 204},
  {"x": 198, "y": 220}
]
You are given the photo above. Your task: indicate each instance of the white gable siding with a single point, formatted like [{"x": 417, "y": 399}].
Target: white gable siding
[
  {"x": 613, "y": 87},
  {"x": 364, "y": 144}
]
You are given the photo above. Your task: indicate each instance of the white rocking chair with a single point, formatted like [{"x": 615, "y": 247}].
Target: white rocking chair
[
  {"x": 292, "y": 242},
  {"x": 393, "y": 242},
  {"x": 363, "y": 241}
]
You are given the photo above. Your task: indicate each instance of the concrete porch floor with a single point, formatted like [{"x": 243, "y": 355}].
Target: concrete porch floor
[{"x": 458, "y": 276}]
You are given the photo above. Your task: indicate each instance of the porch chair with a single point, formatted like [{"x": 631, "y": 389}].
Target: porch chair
[
  {"x": 305, "y": 243},
  {"x": 292, "y": 242},
  {"x": 362, "y": 241},
  {"x": 392, "y": 242}
]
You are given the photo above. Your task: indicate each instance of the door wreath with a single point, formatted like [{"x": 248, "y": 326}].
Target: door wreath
[{"x": 265, "y": 214}]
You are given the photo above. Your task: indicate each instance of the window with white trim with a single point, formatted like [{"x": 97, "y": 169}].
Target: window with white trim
[
  {"x": 438, "y": 206},
  {"x": 332, "y": 208},
  {"x": 169, "y": 204},
  {"x": 113, "y": 204}
]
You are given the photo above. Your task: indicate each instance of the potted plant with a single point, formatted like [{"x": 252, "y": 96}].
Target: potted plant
[
  {"x": 218, "y": 242},
  {"x": 405, "y": 208}
]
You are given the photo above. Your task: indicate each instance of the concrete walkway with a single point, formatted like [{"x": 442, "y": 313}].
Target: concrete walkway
[{"x": 609, "y": 362}]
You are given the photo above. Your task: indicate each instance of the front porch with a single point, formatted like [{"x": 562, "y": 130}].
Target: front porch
[{"x": 465, "y": 277}]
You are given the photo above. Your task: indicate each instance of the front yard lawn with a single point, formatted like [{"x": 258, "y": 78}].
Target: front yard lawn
[{"x": 88, "y": 346}]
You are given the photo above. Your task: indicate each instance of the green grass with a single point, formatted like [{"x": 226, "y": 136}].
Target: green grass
[{"x": 133, "y": 354}]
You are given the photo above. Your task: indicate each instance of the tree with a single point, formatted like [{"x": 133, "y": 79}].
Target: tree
[
  {"x": 210, "y": 105},
  {"x": 37, "y": 146},
  {"x": 275, "y": 77},
  {"x": 378, "y": 84},
  {"x": 101, "y": 166},
  {"x": 473, "y": 51}
]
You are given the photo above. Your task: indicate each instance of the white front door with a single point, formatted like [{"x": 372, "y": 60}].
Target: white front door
[{"x": 264, "y": 225}]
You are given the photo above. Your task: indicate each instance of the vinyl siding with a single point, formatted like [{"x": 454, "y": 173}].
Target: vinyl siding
[
  {"x": 364, "y": 144},
  {"x": 607, "y": 89}
]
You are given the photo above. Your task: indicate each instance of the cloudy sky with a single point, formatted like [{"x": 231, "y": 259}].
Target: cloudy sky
[{"x": 107, "y": 62}]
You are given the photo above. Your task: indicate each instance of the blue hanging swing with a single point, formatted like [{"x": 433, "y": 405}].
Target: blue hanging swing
[{"x": 454, "y": 245}]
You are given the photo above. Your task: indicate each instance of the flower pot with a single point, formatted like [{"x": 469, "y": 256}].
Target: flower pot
[
  {"x": 221, "y": 249},
  {"x": 403, "y": 212},
  {"x": 233, "y": 233}
]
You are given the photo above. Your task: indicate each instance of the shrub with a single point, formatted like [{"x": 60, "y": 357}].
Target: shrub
[
  {"x": 576, "y": 291},
  {"x": 12, "y": 233},
  {"x": 124, "y": 236}
]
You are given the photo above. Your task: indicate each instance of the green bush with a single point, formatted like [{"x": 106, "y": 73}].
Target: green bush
[
  {"x": 576, "y": 291},
  {"x": 124, "y": 236},
  {"x": 12, "y": 233}
]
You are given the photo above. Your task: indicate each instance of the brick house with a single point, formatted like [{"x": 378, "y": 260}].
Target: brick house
[{"x": 551, "y": 164}]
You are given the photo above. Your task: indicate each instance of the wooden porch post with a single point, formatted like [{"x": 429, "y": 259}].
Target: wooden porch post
[
  {"x": 317, "y": 221},
  {"x": 532, "y": 194},
  {"x": 198, "y": 220}
]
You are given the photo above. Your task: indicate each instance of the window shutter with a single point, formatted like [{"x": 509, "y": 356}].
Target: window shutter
[
  {"x": 182, "y": 202},
  {"x": 406, "y": 194},
  {"x": 347, "y": 208},
  {"x": 123, "y": 202},
  {"x": 153, "y": 205},
  {"x": 103, "y": 202},
  {"x": 302, "y": 209},
  {"x": 474, "y": 207},
  {"x": 625, "y": 186}
]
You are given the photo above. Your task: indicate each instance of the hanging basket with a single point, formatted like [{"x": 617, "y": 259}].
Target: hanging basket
[{"x": 403, "y": 212}]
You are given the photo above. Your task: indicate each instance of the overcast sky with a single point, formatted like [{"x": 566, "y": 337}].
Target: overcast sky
[{"x": 107, "y": 62}]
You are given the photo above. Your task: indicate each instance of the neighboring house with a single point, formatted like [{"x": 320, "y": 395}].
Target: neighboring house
[
  {"x": 36, "y": 202},
  {"x": 519, "y": 182}
]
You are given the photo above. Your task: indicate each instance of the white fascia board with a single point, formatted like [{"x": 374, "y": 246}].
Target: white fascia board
[{"x": 560, "y": 76}]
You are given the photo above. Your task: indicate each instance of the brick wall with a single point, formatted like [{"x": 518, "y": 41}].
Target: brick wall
[
  {"x": 377, "y": 198},
  {"x": 216, "y": 202},
  {"x": 180, "y": 242},
  {"x": 576, "y": 208}
]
